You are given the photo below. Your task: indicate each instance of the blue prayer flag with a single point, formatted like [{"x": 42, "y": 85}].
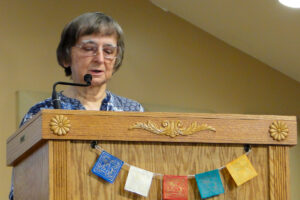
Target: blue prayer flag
[
  {"x": 209, "y": 183},
  {"x": 107, "y": 166}
]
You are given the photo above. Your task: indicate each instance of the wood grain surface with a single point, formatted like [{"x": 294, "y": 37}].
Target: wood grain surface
[
  {"x": 31, "y": 176},
  {"x": 163, "y": 158},
  {"x": 59, "y": 167},
  {"x": 27, "y": 137},
  {"x": 279, "y": 173},
  {"x": 54, "y": 167},
  {"x": 114, "y": 126}
]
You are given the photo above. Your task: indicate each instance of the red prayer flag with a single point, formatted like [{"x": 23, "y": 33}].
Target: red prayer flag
[{"x": 175, "y": 187}]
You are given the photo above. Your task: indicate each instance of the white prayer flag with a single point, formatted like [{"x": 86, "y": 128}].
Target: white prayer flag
[{"x": 138, "y": 181}]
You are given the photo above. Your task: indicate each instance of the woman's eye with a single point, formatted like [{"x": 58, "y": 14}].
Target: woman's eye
[
  {"x": 108, "y": 51},
  {"x": 89, "y": 48}
]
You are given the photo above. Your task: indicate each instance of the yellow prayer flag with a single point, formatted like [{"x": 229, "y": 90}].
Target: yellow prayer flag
[{"x": 241, "y": 170}]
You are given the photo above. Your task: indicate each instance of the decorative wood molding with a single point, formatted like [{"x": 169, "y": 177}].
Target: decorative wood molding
[
  {"x": 171, "y": 128},
  {"x": 278, "y": 130},
  {"x": 60, "y": 125},
  {"x": 232, "y": 129}
]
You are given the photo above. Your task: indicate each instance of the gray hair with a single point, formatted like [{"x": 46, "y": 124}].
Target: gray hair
[{"x": 87, "y": 24}]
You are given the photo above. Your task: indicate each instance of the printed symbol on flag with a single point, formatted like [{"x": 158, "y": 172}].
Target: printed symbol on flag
[
  {"x": 209, "y": 183},
  {"x": 175, "y": 187},
  {"x": 107, "y": 167},
  {"x": 138, "y": 181},
  {"x": 241, "y": 170}
]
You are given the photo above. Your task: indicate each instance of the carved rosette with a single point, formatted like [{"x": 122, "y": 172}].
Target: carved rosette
[
  {"x": 60, "y": 125},
  {"x": 278, "y": 130},
  {"x": 171, "y": 128}
]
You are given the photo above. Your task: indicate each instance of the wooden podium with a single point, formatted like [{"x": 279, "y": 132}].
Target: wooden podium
[{"x": 51, "y": 166}]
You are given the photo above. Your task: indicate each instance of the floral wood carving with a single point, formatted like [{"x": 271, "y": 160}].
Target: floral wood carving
[
  {"x": 278, "y": 130},
  {"x": 171, "y": 128},
  {"x": 60, "y": 125}
]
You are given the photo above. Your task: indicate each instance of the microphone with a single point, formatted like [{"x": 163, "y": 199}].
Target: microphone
[
  {"x": 88, "y": 78},
  {"x": 56, "y": 102}
]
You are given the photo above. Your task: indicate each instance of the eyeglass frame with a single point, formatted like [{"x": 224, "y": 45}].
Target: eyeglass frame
[{"x": 96, "y": 52}]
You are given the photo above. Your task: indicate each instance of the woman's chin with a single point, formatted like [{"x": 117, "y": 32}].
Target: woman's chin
[{"x": 98, "y": 83}]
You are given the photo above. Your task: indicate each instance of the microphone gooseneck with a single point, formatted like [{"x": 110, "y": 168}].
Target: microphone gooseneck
[{"x": 56, "y": 101}]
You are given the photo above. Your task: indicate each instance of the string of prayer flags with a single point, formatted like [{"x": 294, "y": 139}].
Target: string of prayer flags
[
  {"x": 107, "y": 166},
  {"x": 209, "y": 184},
  {"x": 241, "y": 170},
  {"x": 175, "y": 187},
  {"x": 138, "y": 181}
]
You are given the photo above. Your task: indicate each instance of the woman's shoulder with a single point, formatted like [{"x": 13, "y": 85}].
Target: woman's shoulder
[
  {"x": 46, "y": 104},
  {"x": 66, "y": 103},
  {"x": 119, "y": 103}
]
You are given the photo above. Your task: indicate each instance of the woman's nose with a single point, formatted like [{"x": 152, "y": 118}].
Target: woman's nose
[{"x": 99, "y": 56}]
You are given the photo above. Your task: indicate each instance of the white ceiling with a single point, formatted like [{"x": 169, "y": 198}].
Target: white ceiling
[{"x": 264, "y": 29}]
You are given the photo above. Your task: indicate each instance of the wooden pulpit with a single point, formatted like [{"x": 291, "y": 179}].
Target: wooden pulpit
[{"x": 52, "y": 153}]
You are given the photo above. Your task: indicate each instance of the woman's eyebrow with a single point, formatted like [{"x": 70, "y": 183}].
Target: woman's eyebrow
[
  {"x": 88, "y": 41},
  {"x": 109, "y": 45},
  {"x": 94, "y": 42}
]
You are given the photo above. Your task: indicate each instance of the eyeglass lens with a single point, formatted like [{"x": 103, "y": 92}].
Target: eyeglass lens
[{"x": 92, "y": 49}]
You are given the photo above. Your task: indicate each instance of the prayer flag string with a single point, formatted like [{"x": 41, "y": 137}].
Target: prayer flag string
[{"x": 139, "y": 180}]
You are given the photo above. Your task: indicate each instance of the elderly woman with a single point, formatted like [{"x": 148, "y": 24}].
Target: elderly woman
[{"x": 90, "y": 44}]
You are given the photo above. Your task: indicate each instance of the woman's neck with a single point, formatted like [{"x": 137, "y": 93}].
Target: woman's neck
[{"x": 90, "y": 97}]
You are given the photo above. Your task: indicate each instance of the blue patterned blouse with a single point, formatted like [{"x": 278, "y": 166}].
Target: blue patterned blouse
[{"x": 111, "y": 102}]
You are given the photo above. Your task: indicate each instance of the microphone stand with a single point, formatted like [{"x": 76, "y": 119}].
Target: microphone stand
[{"x": 56, "y": 100}]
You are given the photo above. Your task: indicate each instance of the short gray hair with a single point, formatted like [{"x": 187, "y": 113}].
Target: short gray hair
[{"x": 87, "y": 24}]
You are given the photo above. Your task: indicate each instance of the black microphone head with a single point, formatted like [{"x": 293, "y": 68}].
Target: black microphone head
[{"x": 88, "y": 78}]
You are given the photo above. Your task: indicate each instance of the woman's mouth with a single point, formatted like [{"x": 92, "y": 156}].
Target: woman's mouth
[{"x": 96, "y": 72}]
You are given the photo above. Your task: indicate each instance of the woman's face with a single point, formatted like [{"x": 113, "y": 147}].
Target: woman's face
[{"x": 94, "y": 54}]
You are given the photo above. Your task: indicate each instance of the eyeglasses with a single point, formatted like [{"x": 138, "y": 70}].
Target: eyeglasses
[{"x": 90, "y": 48}]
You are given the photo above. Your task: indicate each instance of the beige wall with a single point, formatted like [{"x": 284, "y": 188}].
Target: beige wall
[{"x": 168, "y": 62}]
